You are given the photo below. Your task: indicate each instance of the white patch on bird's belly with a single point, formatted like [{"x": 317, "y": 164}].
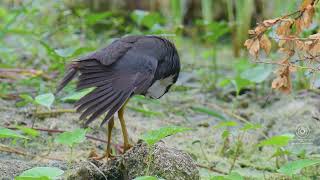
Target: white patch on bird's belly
[{"x": 159, "y": 87}]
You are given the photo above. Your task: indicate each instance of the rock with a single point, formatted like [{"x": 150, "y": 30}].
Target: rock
[{"x": 164, "y": 162}]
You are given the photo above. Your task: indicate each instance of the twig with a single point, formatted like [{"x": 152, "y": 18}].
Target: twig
[
  {"x": 105, "y": 177},
  {"x": 8, "y": 149},
  {"x": 280, "y": 64},
  {"x": 62, "y": 131},
  {"x": 212, "y": 169},
  {"x": 54, "y": 112}
]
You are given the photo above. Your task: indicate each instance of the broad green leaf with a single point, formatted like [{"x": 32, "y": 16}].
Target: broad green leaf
[
  {"x": 294, "y": 167},
  {"x": 45, "y": 100},
  {"x": 257, "y": 74},
  {"x": 40, "y": 173},
  {"x": 279, "y": 141},
  {"x": 8, "y": 133},
  {"x": 71, "y": 138},
  {"x": 240, "y": 83},
  {"x": 29, "y": 131},
  {"x": 154, "y": 136},
  {"x": 226, "y": 124},
  {"x": 145, "y": 178},
  {"x": 76, "y": 95},
  {"x": 209, "y": 112}
]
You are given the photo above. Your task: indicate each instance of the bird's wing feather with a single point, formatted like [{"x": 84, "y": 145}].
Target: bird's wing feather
[
  {"x": 113, "y": 88},
  {"x": 113, "y": 52}
]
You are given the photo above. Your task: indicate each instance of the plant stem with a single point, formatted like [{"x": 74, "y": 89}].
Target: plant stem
[{"x": 237, "y": 153}]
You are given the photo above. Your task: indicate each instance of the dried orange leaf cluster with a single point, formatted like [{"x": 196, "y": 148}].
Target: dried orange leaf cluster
[{"x": 288, "y": 30}]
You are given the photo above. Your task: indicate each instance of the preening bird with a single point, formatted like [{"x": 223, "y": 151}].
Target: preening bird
[{"x": 132, "y": 65}]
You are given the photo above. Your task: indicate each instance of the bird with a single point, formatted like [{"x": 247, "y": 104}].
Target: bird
[{"x": 145, "y": 65}]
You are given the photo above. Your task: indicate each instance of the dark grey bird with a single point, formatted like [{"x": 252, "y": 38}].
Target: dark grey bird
[{"x": 131, "y": 65}]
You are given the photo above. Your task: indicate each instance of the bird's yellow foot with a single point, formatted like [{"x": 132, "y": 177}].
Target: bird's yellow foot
[
  {"x": 93, "y": 155},
  {"x": 105, "y": 156},
  {"x": 126, "y": 147}
]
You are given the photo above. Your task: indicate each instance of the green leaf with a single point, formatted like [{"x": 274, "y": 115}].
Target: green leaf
[
  {"x": 225, "y": 134},
  {"x": 226, "y": 124},
  {"x": 26, "y": 97},
  {"x": 94, "y": 18},
  {"x": 71, "y": 138},
  {"x": 257, "y": 74},
  {"x": 250, "y": 126},
  {"x": 145, "y": 111},
  {"x": 209, "y": 112},
  {"x": 240, "y": 83},
  {"x": 278, "y": 141},
  {"x": 76, "y": 95},
  {"x": 294, "y": 167},
  {"x": 8, "y": 133},
  {"x": 40, "y": 173},
  {"x": 154, "y": 136},
  {"x": 45, "y": 100},
  {"x": 145, "y": 178},
  {"x": 29, "y": 131}
]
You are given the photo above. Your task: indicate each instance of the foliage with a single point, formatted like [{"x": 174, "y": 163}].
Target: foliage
[
  {"x": 71, "y": 138},
  {"x": 289, "y": 36},
  {"x": 8, "y": 133},
  {"x": 281, "y": 140},
  {"x": 40, "y": 173},
  {"x": 294, "y": 167},
  {"x": 45, "y": 100},
  {"x": 209, "y": 112},
  {"x": 154, "y": 136}
]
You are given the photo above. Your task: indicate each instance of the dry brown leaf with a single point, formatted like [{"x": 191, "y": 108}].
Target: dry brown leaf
[
  {"x": 315, "y": 36},
  {"x": 315, "y": 48},
  {"x": 265, "y": 43},
  {"x": 305, "y": 4},
  {"x": 283, "y": 80},
  {"x": 253, "y": 46},
  {"x": 270, "y": 22},
  {"x": 254, "y": 49},
  {"x": 260, "y": 29},
  {"x": 284, "y": 28},
  {"x": 306, "y": 19}
]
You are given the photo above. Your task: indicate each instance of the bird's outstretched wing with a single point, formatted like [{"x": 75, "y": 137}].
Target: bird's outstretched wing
[
  {"x": 113, "y": 87},
  {"x": 114, "y": 51},
  {"x": 114, "y": 84}
]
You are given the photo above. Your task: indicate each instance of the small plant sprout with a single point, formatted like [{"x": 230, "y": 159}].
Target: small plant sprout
[
  {"x": 45, "y": 100},
  {"x": 71, "y": 139},
  {"x": 40, "y": 173}
]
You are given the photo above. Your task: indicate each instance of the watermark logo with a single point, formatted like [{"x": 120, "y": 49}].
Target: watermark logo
[{"x": 303, "y": 134}]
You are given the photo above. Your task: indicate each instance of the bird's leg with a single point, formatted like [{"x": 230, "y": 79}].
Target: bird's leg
[
  {"x": 126, "y": 145},
  {"x": 108, "y": 150}
]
